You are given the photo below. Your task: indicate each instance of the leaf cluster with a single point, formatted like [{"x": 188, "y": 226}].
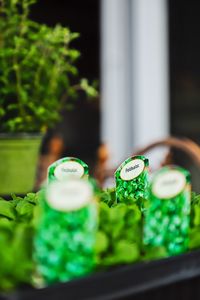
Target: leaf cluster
[
  {"x": 16, "y": 235},
  {"x": 119, "y": 236},
  {"x": 195, "y": 222},
  {"x": 37, "y": 67},
  {"x": 146, "y": 253}
]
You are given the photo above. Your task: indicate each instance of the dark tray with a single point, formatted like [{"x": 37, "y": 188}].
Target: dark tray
[{"x": 172, "y": 278}]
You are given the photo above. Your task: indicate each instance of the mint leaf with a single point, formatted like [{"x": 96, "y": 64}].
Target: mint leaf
[
  {"x": 155, "y": 253},
  {"x": 24, "y": 209},
  {"x": 194, "y": 241},
  {"x": 196, "y": 219},
  {"x": 101, "y": 242},
  {"x": 32, "y": 198},
  {"x": 126, "y": 252},
  {"x": 7, "y": 209}
]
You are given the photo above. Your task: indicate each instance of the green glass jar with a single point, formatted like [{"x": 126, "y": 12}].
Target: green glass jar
[
  {"x": 66, "y": 233},
  {"x": 66, "y": 168},
  {"x": 168, "y": 217},
  {"x": 132, "y": 179}
]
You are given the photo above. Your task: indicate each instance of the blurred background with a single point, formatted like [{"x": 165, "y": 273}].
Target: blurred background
[{"x": 145, "y": 55}]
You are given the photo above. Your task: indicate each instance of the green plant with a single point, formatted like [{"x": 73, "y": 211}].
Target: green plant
[
  {"x": 37, "y": 66},
  {"x": 119, "y": 237},
  {"x": 195, "y": 222},
  {"x": 16, "y": 235}
]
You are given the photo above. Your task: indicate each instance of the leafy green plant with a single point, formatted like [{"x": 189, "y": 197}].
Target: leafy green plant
[
  {"x": 37, "y": 66},
  {"x": 195, "y": 222},
  {"x": 16, "y": 235},
  {"x": 107, "y": 196},
  {"x": 119, "y": 237}
]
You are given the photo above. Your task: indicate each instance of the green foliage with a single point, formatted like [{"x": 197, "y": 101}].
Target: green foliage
[
  {"x": 7, "y": 210},
  {"x": 37, "y": 66},
  {"x": 16, "y": 235},
  {"x": 146, "y": 253},
  {"x": 195, "y": 222},
  {"x": 108, "y": 197},
  {"x": 119, "y": 238},
  {"x": 152, "y": 253}
]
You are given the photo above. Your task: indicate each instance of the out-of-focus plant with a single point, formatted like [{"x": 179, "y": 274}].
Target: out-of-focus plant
[
  {"x": 119, "y": 236},
  {"x": 16, "y": 236},
  {"x": 37, "y": 66}
]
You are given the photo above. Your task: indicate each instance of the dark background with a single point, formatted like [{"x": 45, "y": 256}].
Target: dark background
[
  {"x": 184, "y": 41},
  {"x": 80, "y": 127},
  {"x": 184, "y": 25}
]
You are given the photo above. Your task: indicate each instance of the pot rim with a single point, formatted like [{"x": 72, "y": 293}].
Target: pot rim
[{"x": 23, "y": 135}]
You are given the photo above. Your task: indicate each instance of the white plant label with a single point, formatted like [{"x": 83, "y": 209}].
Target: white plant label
[
  {"x": 69, "y": 169},
  {"x": 132, "y": 169},
  {"x": 169, "y": 184},
  {"x": 69, "y": 195}
]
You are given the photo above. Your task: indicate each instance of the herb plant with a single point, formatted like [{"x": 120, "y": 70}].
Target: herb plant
[
  {"x": 119, "y": 237},
  {"x": 37, "y": 66},
  {"x": 16, "y": 235}
]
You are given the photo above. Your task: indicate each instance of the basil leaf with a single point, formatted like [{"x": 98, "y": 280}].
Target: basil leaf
[{"x": 7, "y": 209}]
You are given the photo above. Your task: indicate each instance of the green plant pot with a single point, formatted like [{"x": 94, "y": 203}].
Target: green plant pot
[{"x": 18, "y": 162}]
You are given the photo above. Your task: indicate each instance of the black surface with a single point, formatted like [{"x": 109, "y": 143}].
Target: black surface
[
  {"x": 184, "y": 31},
  {"x": 79, "y": 128},
  {"x": 173, "y": 278}
]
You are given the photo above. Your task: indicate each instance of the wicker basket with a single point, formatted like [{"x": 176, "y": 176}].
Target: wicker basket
[{"x": 173, "y": 144}]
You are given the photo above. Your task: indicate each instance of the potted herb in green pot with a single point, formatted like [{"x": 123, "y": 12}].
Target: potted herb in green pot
[{"x": 36, "y": 70}]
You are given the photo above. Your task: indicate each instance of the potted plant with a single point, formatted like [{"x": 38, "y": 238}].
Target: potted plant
[{"x": 37, "y": 66}]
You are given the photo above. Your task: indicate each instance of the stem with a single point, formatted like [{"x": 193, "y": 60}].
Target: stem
[
  {"x": 1, "y": 5},
  {"x": 65, "y": 96},
  {"x": 18, "y": 86},
  {"x": 17, "y": 64},
  {"x": 38, "y": 73}
]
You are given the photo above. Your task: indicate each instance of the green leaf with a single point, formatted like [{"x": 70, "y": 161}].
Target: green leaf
[
  {"x": 32, "y": 198},
  {"x": 152, "y": 253},
  {"x": 101, "y": 242},
  {"x": 89, "y": 89},
  {"x": 23, "y": 240},
  {"x": 133, "y": 214},
  {"x": 7, "y": 209},
  {"x": 24, "y": 209},
  {"x": 126, "y": 252},
  {"x": 194, "y": 241},
  {"x": 2, "y": 112},
  {"x": 196, "y": 215}
]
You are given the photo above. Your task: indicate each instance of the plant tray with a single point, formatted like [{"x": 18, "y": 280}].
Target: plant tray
[{"x": 171, "y": 278}]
